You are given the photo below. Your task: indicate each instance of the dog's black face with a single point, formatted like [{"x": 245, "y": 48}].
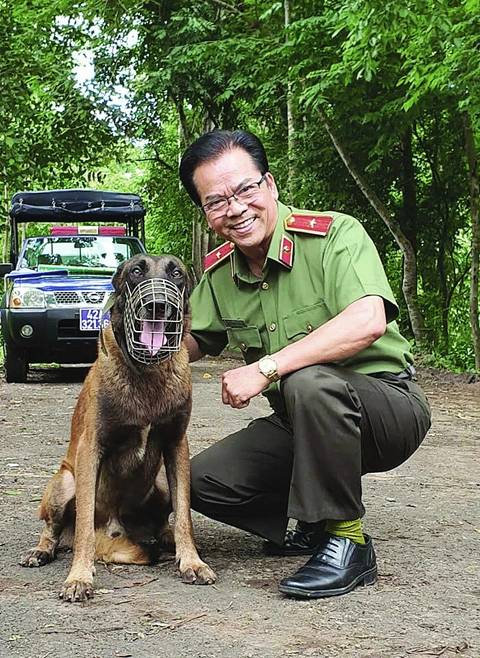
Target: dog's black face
[{"x": 159, "y": 281}]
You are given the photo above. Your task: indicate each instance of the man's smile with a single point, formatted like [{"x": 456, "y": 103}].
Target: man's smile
[{"x": 244, "y": 225}]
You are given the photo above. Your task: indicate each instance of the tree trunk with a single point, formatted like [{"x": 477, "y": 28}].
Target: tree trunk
[
  {"x": 472, "y": 161},
  {"x": 200, "y": 232},
  {"x": 198, "y": 247},
  {"x": 409, "y": 283},
  {"x": 290, "y": 117},
  {"x": 445, "y": 294},
  {"x": 409, "y": 191},
  {"x": 6, "y": 230}
]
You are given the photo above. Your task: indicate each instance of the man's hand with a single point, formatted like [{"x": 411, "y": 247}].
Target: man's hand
[{"x": 242, "y": 384}]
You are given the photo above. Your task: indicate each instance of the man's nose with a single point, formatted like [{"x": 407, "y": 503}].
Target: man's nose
[{"x": 235, "y": 207}]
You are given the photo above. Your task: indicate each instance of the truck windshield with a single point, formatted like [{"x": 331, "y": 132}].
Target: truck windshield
[{"x": 86, "y": 251}]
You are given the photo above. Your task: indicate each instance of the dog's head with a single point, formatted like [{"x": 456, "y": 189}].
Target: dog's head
[{"x": 151, "y": 311}]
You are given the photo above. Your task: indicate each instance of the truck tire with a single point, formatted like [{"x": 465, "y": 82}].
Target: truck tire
[{"x": 16, "y": 365}]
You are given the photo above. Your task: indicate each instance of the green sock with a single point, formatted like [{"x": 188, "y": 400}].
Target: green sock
[{"x": 350, "y": 529}]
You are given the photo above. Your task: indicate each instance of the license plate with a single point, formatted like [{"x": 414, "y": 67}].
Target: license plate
[{"x": 91, "y": 319}]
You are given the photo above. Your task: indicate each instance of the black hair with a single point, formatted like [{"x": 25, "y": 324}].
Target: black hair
[{"x": 213, "y": 144}]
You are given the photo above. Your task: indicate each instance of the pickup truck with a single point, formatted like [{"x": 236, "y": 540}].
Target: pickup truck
[{"x": 51, "y": 310}]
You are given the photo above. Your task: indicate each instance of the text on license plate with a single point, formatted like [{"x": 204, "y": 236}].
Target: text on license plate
[{"x": 91, "y": 319}]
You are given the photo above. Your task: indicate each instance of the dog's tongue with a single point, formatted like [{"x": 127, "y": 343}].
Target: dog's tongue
[{"x": 153, "y": 336}]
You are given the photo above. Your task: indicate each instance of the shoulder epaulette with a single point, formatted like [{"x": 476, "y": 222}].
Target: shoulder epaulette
[
  {"x": 217, "y": 255},
  {"x": 312, "y": 223}
]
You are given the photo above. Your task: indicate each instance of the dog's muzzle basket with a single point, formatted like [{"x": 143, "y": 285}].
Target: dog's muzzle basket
[{"x": 153, "y": 320}]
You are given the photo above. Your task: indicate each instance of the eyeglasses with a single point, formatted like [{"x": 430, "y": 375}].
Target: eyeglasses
[{"x": 244, "y": 195}]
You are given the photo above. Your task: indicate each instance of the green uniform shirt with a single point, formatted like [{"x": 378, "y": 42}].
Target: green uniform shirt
[{"x": 260, "y": 316}]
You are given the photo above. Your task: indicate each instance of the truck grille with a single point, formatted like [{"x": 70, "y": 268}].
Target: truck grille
[
  {"x": 67, "y": 297},
  {"x": 72, "y": 297}
]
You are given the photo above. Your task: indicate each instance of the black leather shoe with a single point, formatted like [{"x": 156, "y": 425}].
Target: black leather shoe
[
  {"x": 337, "y": 567},
  {"x": 302, "y": 540}
]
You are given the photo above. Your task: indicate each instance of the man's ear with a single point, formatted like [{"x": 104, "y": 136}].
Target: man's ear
[
  {"x": 272, "y": 185},
  {"x": 118, "y": 278}
]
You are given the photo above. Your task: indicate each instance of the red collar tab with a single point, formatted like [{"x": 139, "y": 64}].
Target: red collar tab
[
  {"x": 313, "y": 224},
  {"x": 217, "y": 255},
  {"x": 286, "y": 251}
]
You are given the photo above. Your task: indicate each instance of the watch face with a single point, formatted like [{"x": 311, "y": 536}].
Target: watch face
[{"x": 267, "y": 366}]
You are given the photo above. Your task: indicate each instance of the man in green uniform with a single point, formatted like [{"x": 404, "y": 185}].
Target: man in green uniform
[{"x": 305, "y": 297}]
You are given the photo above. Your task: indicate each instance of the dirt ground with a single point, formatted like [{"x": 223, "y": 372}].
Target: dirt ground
[{"x": 424, "y": 518}]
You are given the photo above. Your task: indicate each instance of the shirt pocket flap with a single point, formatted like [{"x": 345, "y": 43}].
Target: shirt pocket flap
[
  {"x": 304, "y": 320},
  {"x": 244, "y": 338}
]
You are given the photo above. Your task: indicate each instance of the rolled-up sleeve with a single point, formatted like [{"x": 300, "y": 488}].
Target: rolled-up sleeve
[{"x": 353, "y": 269}]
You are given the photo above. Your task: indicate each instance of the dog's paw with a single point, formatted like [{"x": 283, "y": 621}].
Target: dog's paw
[
  {"x": 76, "y": 591},
  {"x": 36, "y": 558},
  {"x": 205, "y": 575},
  {"x": 167, "y": 541},
  {"x": 196, "y": 573}
]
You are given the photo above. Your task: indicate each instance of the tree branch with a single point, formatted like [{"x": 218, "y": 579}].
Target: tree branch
[{"x": 227, "y": 6}]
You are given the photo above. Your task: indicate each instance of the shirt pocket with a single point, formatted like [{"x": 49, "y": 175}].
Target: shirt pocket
[
  {"x": 304, "y": 320},
  {"x": 244, "y": 338}
]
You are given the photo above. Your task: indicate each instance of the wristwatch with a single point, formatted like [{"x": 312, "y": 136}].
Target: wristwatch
[{"x": 268, "y": 367}]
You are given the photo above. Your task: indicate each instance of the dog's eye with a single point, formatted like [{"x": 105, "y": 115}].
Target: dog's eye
[
  {"x": 137, "y": 271},
  {"x": 177, "y": 273}
]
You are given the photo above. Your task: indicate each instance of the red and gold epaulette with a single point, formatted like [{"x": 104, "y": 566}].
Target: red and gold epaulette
[
  {"x": 309, "y": 223},
  {"x": 217, "y": 255}
]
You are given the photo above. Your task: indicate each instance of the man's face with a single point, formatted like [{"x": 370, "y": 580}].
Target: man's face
[{"x": 248, "y": 223}]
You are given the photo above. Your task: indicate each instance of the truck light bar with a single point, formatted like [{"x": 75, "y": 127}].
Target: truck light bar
[{"x": 87, "y": 230}]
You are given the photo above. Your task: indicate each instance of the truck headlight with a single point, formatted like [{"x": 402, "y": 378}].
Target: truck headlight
[{"x": 26, "y": 297}]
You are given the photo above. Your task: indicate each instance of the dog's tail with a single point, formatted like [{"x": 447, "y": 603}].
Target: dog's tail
[{"x": 119, "y": 550}]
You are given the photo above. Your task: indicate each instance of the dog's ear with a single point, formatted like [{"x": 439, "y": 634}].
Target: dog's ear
[
  {"x": 118, "y": 278},
  {"x": 189, "y": 283}
]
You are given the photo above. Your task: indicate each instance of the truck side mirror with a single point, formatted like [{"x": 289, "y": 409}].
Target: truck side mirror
[{"x": 5, "y": 268}]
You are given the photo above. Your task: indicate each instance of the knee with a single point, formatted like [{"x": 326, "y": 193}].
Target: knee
[
  {"x": 317, "y": 389},
  {"x": 311, "y": 384}
]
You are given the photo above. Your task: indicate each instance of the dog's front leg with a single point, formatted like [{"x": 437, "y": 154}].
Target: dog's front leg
[
  {"x": 79, "y": 584},
  {"x": 177, "y": 464}
]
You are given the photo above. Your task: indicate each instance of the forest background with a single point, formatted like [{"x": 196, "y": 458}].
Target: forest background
[{"x": 370, "y": 107}]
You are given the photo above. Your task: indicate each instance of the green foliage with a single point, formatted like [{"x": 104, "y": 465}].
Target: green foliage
[
  {"x": 394, "y": 80},
  {"x": 50, "y": 130}
]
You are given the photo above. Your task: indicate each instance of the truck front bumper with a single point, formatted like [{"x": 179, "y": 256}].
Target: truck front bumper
[{"x": 55, "y": 335}]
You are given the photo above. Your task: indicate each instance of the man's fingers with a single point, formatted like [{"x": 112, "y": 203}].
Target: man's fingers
[
  {"x": 236, "y": 403},
  {"x": 225, "y": 396}
]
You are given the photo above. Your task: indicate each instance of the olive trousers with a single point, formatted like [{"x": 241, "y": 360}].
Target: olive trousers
[{"x": 305, "y": 461}]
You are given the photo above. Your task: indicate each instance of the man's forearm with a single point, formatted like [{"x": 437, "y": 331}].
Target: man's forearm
[
  {"x": 194, "y": 351},
  {"x": 354, "y": 329}
]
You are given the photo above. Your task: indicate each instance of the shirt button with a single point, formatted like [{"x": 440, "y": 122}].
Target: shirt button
[
  {"x": 309, "y": 328},
  {"x": 272, "y": 327},
  {"x": 243, "y": 347},
  {"x": 265, "y": 286}
]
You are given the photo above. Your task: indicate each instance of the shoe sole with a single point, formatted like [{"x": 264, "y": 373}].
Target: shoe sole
[
  {"x": 366, "y": 579},
  {"x": 282, "y": 553}
]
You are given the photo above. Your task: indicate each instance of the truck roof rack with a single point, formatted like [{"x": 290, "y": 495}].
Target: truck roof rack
[{"x": 76, "y": 206}]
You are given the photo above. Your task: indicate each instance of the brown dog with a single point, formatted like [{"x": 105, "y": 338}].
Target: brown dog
[{"x": 131, "y": 415}]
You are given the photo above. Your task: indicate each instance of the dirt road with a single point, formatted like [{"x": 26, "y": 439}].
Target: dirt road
[{"x": 424, "y": 517}]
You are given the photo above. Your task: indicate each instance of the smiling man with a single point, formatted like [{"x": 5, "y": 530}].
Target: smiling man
[{"x": 305, "y": 298}]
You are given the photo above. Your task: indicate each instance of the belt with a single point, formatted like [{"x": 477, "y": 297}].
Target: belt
[{"x": 408, "y": 374}]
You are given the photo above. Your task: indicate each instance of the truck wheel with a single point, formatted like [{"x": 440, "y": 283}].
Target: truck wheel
[{"x": 16, "y": 365}]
